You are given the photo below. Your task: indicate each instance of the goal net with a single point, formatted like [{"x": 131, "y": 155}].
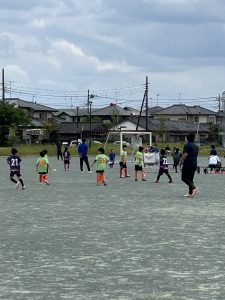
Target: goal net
[{"x": 133, "y": 139}]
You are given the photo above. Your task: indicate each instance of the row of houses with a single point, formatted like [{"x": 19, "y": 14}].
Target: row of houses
[{"x": 169, "y": 124}]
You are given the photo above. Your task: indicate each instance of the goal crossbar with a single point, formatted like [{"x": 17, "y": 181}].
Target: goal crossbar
[{"x": 138, "y": 133}]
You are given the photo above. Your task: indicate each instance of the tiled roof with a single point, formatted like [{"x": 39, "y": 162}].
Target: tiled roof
[
  {"x": 112, "y": 110},
  {"x": 172, "y": 126},
  {"x": 31, "y": 105},
  {"x": 68, "y": 128},
  {"x": 182, "y": 109}
]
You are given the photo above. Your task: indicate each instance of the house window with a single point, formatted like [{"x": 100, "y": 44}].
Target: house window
[
  {"x": 211, "y": 119},
  {"x": 196, "y": 119},
  {"x": 43, "y": 116}
]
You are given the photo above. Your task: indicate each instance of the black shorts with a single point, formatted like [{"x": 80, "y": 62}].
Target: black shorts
[
  {"x": 138, "y": 168},
  {"x": 100, "y": 171},
  {"x": 163, "y": 171},
  {"x": 122, "y": 165},
  {"x": 66, "y": 162},
  {"x": 17, "y": 173},
  {"x": 42, "y": 173}
]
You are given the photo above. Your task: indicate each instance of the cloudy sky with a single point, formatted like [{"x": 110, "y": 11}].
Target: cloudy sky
[{"x": 53, "y": 51}]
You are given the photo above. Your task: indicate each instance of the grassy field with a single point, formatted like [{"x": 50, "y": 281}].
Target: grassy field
[
  {"x": 126, "y": 241},
  {"x": 29, "y": 150}
]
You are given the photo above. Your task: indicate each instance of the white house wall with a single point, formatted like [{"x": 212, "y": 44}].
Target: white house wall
[{"x": 128, "y": 126}]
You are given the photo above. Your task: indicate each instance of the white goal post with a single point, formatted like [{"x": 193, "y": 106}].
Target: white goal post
[{"x": 134, "y": 133}]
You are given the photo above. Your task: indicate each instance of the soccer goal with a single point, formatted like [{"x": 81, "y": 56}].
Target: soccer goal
[{"x": 135, "y": 138}]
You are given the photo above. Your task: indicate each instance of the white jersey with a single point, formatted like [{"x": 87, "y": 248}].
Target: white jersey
[{"x": 213, "y": 160}]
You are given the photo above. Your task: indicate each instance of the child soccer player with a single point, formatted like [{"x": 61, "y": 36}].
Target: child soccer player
[
  {"x": 42, "y": 168},
  {"x": 123, "y": 162},
  {"x": 46, "y": 156},
  {"x": 163, "y": 168},
  {"x": 112, "y": 157},
  {"x": 139, "y": 161},
  {"x": 66, "y": 159},
  {"x": 101, "y": 160},
  {"x": 14, "y": 162}
]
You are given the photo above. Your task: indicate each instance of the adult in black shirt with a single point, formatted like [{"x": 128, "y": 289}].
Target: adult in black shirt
[
  {"x": 189, "y": 162},
  {"x": 59, "y": 150}
]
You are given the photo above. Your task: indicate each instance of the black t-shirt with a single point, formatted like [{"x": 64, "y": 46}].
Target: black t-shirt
[{"x": 192, "y": 150}]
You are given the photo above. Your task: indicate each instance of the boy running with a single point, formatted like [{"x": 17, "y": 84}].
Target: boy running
[
  {"x": 42, "y": 168},
  {"x": 101, "y": 160},
  {"x": 123, "y": 162},
  {"x": 163, "y": 168},
  {"x": 66, "y": 159},
  {"x": 139, "y": 162},
  {"x": 14, "y": 162}
]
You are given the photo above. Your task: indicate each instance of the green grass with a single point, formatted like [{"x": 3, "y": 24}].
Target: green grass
[{"x": 28, "y": 150}]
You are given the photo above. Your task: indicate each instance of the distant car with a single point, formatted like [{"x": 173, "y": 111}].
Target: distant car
[
  {"x": 123, "y": 142},
  {"x": 97, "y": 142},
  {"x": 74, "y": 143}
]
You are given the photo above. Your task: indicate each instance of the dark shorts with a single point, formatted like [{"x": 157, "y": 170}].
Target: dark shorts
[
  {"x": 163, "y": 171},
  {"x": 66, "y": 162},
  {"x": 42, "y": 173},
  {"x": 122, "y": 165},
  {"x": 17, "y": 173},
  {"x": 99, "y": 171},
  {"x": 138, "y": 168}
]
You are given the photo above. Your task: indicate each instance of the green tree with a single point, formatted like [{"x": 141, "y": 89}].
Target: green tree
[
  {"x": 49, "y": 126},
  {"x": 162, "y": 128},
  {"x": 10, "y": 118},
  {"x": 214, "y": 133},
  {"x": 115, "y": 117}
]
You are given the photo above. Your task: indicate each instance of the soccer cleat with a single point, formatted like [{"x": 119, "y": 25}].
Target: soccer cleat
[
  {"x": 136, "y": 179},
  {"x": 127, "y": 176},
  {"x": 156, "y": 181},
  {"x": 17, "y": 185},
  {"x": 82, "y": 171},
  {"x": 47, "y": 182},
  {"x": 121, "y": 176},
  {"x": 104, "y": 183},
  {"x": 23, "y": 187},
  {"x": 170, "y": 181},
  {"x": 90, "y": 172},
  {"x": 143, "y": 179}
]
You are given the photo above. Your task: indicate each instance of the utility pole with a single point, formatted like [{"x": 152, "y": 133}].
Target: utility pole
[
  {"x": 146, "y": 102},
  {"x": 3, "y": 85},
  {"x": 90, "y": 97}
]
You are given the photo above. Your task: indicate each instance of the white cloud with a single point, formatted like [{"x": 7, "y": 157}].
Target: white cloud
[
  {"x": 16, "y": 74},
  {"x": 93, "y": 43}
]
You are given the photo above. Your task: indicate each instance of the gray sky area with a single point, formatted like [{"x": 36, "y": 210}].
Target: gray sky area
[{"x": 53, "y": 51}]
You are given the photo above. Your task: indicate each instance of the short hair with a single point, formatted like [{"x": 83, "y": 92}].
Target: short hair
[
  {"x": 124, "y": 146},
  {"x": 101, "y": 150},
  {"x": 42, "y": 154},
  {"x": 83, "y": 140},
  {"x": 45, "y": 151},
  {"x": 141, "y": 148},
  {"x": 191, "y": 137},
  {"x": 66, "y": 148},
  {"x": 162, "y": 151},
  {"x": 14, "y": 151}
]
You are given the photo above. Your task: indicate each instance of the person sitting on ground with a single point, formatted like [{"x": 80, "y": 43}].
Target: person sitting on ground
[
  {"x": 168, "y": 149},
  {"x": 214, "y": 163}
]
